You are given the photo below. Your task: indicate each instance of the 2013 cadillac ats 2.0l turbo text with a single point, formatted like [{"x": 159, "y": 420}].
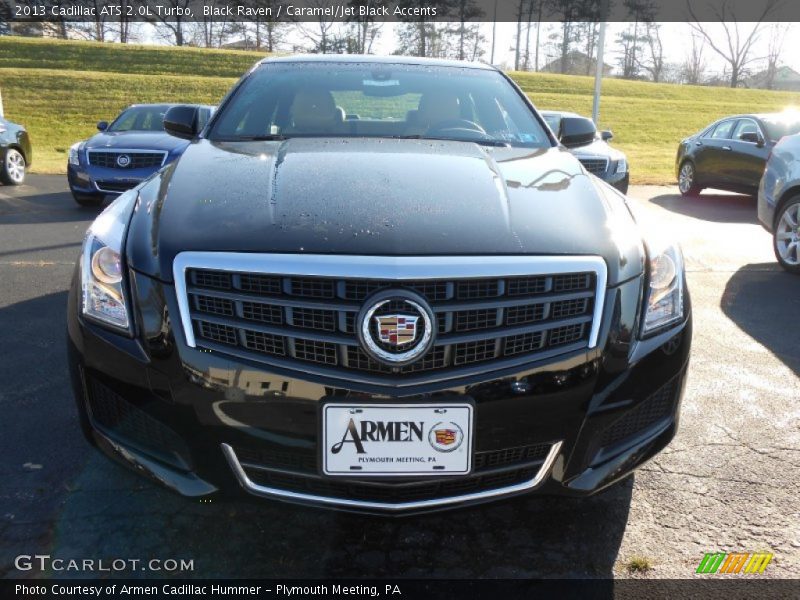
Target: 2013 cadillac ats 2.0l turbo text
[{"x": 376, "y": 285}]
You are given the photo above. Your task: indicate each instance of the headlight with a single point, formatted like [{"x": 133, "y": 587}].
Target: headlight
[
  {"x": 664, "y": 293},
  {"x": 102, "y": 265},
  {"x": 73, "y": 154},
  {"x": 622, "y": 166}
]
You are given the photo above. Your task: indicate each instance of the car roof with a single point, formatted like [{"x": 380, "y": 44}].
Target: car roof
[
  {"x": 371, "y": 58},
  {"x": 761, "y": 116}
]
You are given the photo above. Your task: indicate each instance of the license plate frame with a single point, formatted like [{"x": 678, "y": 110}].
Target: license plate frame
[{"x": 426, "y": 453}]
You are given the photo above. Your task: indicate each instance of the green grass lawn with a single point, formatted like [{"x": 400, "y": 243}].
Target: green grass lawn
[{"x": 60, "y": 89}]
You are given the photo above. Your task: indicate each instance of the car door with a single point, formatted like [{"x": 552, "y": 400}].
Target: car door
[
  {"x": 711, "y": 154},
  {"x": 748, "y": 155}
]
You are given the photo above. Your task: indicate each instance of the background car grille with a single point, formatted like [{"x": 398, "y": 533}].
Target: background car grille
[
  {"x": 312, "y": 320},
  {"x": 139, "y": 160},
  {"x": 595, "y": 166}
]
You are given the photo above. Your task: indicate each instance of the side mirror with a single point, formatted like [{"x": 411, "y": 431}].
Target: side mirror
[
  {"x": 606, "y": 135},
  {"x": 182, "y": 122},
  {"x": 753, "y": 137},
  {"x": 577, "y": 131},
  {"x": 102, "y": 125},
  {"x": 749, "y": 136}
]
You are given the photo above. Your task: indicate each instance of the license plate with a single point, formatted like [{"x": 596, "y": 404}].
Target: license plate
[{"x": 397, "y": 439}]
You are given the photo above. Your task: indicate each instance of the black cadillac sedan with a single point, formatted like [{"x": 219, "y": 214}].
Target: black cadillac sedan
[
  {"x": 592, "y": 148},
  {"x": 379, "y": 285},
  {"x": 15, "y": 152},
  {"x": 730, "y": 154}
]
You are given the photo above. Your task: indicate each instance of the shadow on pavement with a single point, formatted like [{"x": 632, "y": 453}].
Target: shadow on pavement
[
  {"x": 75, "y": 503},
  {"x": 113, "y": 513},
  {"x": 58, "y": 207},
  {"x": 764, "y": 301},
  {"x": 41, "y": 445},
  {"x": 720, "y": 208}
]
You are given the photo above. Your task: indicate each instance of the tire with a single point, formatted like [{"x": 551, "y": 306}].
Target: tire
[
  {"x": 88, "y": 200},
  {"x": 12, "y": 171},
  {"x": 786, "y": 238},
  {"x": 686, "y": 179}
]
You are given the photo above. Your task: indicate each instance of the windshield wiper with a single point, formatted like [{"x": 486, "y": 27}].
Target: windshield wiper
[{"x": 498, "y": 143}]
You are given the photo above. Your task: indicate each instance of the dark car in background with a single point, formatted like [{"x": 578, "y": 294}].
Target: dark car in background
[
  {"x": 124, "y": 153},
  {"x": 429, "y": 306},
  {"x": 779, "y": 201},
  {"x": 15, "y": 152},
  {"x": 592, "y": 149},
  {"x": 730, "y": 154}
]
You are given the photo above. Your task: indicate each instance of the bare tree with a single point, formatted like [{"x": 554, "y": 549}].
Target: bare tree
[
  {"x": 777, "y": 36},
  {"x": 419, "y": 35},
  {"x": 364, "y": 30},
  {"x": 736, "y": 46},
  {"x": 694, "y": 65},
  {"x": 586, "y": 34},
  {"x": 172, "y": 29},
  {"x": 518, "y": 44},
  {"x": 653, "y": 62},
  {"x": 465, "y": 12}
]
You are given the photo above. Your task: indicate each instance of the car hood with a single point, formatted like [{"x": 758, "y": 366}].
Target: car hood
[
  {"x": 379, "y": 197},
  {"x": 135, "y": 140}
]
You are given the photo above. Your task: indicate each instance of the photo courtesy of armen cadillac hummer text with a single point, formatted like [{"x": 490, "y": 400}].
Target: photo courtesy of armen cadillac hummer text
[{"x": 377, "y": 285}]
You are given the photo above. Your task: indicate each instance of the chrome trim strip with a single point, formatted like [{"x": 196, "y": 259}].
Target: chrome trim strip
[
  {"x": 99, "y": 189},
  {"x": 386, "y": 268},
  {"x": 269, "y": 492},
  {"x": 163, "y": 153}
]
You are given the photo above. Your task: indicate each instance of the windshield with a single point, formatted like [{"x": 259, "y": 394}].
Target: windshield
[
  {"x": 777, "y": 127},
  {"x": 378, "y": 100},
  {"x": 140, "y": 118}
]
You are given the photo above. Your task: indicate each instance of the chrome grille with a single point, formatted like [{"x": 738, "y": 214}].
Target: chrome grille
[
  {"x": 595, "y": 166},
  {"x": 308, "y": 322},
  {"x": 138, "y": 159}
]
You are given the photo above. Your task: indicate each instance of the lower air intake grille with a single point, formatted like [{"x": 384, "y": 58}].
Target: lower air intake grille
[{"x": 657, "y": 406}]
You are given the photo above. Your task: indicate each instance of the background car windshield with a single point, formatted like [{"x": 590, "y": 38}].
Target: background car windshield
[
  {"x": 553, "y": 121},
  {"x": 779, "y": 127},
  {"x": 378, "y": 100},
  {"x": 140, "y": 118}
]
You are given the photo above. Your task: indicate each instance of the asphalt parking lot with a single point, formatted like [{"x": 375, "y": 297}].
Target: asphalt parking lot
[{"x": 729, "y": 482}]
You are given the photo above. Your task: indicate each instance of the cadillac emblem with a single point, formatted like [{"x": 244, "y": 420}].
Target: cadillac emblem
[
  {"x": 123, "y": 160},
  {"x": 396, "y": 330},
  {"x": 395, "y": 327},
  {"x": 445, "y": 437}
]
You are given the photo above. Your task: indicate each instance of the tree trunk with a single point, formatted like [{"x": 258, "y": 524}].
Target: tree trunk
[
  {"x": 519, "y": 36},
  {"x": 564, "y": 46}
]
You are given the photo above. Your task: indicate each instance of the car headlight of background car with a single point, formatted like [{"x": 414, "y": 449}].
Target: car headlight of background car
[
  {"x": 664, "y": 293},
  {"x": 622, "y": 166},
  {"x": 73, "y": 154},
  {"x": 103, "y": 267}
]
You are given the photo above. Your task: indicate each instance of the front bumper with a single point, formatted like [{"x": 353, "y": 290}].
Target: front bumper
[
  {"x": 768, "y": 194},
  {"x": 90, "y": 180},
  {"x": 202, "y": 424}
]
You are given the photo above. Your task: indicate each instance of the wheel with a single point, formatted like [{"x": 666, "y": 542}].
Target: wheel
[
  {"x": 12, "y": 171},
  {"x": 786, "y": 239},
  {"x": 88, "y": 200},
  {"x": 686, "y": 177}
]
